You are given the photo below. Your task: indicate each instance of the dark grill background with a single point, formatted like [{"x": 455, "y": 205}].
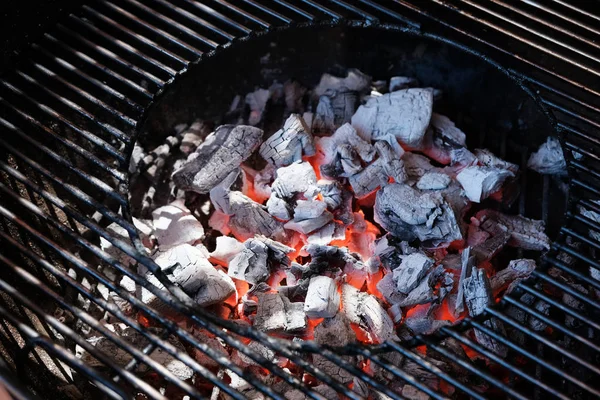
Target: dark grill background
[{"x": 69, "y": 116}]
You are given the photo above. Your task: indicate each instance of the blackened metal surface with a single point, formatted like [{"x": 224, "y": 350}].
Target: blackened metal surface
[{"x": 71, "y": 112}]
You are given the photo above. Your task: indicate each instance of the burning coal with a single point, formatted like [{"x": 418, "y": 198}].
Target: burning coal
[{"x": 364, "y": 218}]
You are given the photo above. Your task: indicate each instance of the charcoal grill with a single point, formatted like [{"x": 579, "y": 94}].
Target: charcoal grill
[{"x": 73, "y": 107}]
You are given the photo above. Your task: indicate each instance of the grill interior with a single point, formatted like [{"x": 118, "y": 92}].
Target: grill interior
[{"x": 108, "y": 74}]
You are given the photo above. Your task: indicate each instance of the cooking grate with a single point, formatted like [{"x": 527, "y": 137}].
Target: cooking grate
[{"x": 70, "y": 115}]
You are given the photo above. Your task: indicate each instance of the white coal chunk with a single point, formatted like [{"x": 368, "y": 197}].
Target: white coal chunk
[
  {"x": 219, "y": 195},
  {"x": 250, "y": 264},
  {"x": 331, "y": 192},
  {"x": 288, "y": 144},
  {"x": 188, "y": 267},
  {"x": 424, "y": 326},
  {"x": 510, "y": 276},
  {"x": 393, "y": 165},
  {"x": 411, "y": 271},
  {"x": 526, "y": 233},
  {"x": 480, "y": 182},
  {"x": 369, "y": 179},
  {"x": 393, "y": 142},
  {"x": 174, "y": 225},
  {"x": 257, "y": 101},
  {"x": 417, "y": 165},
  {"x": 145, "y": 229},
  {"x": 549, "y": 158},
  {"x": 307, "y": 209},
  {"x": 309, "y": 225},
  {"x": 335, "y": 108},
  {"x": 489, "y": 159},
  {"x": 355, "y": 80},
  {"x": 364, "y": 309},
  {"x": 193, "y": 136},
  {"x": 322, "y": 298},
  {"x": 249, "y": 218},
  {"x": 477, "y": 292},
  {"x": 295, "y": 317},
  {"x": 433, "y": 181},
  {"x": 401, "y": 82},
  {"x": 467, "y": 262},
  {"x": 347, "y": 135},
  {"x": 222, "y": 152},
  {"x": 279, "y": 208},
  {"x": 270, "y": 314},
  {"x": 226, "y": 249},
  {"x": 448, "y": 130},
  {"x": 594, "y": 216},
  {"x": 404, "y": 113},
  {"x": 295, "y": 178},
  {"x": 334, "y": 331},
  {"x": 389, "y": 289},
  {"x": 263, "y": 180},
  {"x": 425, "y": 290}
]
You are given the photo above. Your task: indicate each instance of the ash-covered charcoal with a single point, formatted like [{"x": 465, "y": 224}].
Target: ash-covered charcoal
[
  {"x": 279, "y": 208},
  {"x": 222, "y": 152},
  {"x": 335, "y": 108},
  {"x": 525, "y": 233},
  {"x": 489, "y": 248},
  {"x": 219, "y": 195},
  {"x": 257, "y": 102},
  {"x": 417, "y": 165},
  {"x": 249, "y": 218},
  {"x": 331, "y": 192},
  {"x": 308, "y": 225},
  {"x": 574, "y": 303},
  {"x": 433, "y": 181},
  {"x": 121, "y": 357},
  {"x": 334, "y": 331},
  {"x": 277, "y": 313},
  {"x": 404, "y": 113},
  {"x": 441, "y": 139},
  {"x": 346, "y": 135},
  {"x": 467, "y": 262},
  {"x": 288, "y": 144},
  {"x": 355, "y": 81},
  {"x": 174, "y": 225},
  {"x": 189, "y": 268},
  {"x": 227, "y": 248},
  {"x": 393, "y": 165},
  {"x": 422, "y": 326},
  {"x": 412, "y": 393},
  {"x": 402, "y": 82},
  {"x": 372, "y": 177},
  {"x": 296, "y": 178},
  {"x": 251, "y": 264},
  {"x": 364, "y": 310},
  {"x": 534, "y": 323},
  {"x": 480, "y": 182},
  {"x": 478, "y": 296},
  {"x": 489, "y": 159},
  {"x": 332, "y": 256},
  {"x": 411, "y": 271},
  {"x": 549, "y": 158},
  {"x": 509, "y": 277},
  {"x": 145, "y": 230},
  {"x": 322, "y": 298},
  {"x": 408, "y": 213},
  {"x": 425, "y": 291},
  {"x": 594, "y": 216},
  {"x": 388, "y": 289}
]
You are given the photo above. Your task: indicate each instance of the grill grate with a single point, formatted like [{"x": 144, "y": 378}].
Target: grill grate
[{"x": 71, "y": 114}]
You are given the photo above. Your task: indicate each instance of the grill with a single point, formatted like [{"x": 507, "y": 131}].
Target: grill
[{"x": 73, "y": 108}]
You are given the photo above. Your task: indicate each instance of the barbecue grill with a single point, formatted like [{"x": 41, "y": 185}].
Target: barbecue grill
[{"x": 115, "y": 71}]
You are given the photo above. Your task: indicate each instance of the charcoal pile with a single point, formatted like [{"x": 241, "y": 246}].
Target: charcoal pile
[{"x": 364, "y": 218}]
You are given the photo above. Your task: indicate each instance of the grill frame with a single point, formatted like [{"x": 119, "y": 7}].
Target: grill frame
[{"x": 579, "y": 171}]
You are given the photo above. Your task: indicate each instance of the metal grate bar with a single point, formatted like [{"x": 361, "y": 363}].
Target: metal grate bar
[
  {"x": 243, "y": 13},
  {"x": 215, "y": 14},
  {"x": 268, "y": 11},
  {"x": 296, "y": 10},
  {"x": 323, "y": 9}
]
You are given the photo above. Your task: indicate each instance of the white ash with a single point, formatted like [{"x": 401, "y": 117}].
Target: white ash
[
  {"x": 347, "y": 135},
  {"x": 393, "y": 142},
  {"x": 404, "y": 113},
  {"x": 219, "y": 195},
  {"x": 408, "y": 213},
  {"x": 369, "y": 179},
  {"x": 401, "y": 82},
  {"x": 393, "y": 165},
  {"x": 278, "y": 313},
  {"x": 395, "y": 313},
  {"x": 477, "y": 292},
  {"x": 489, "y": 159},
  {"x": 411, "y": 271},
  {"x": 257, "y": 101},
  {"x": 424, "y": 292},
  {"x": 222, "y": 152},
  {"x": 174, "y": 225},
  {"x": 250, "y": 218},
  {"x": 467, "y": 263},
  {"x": 448, "y": 130},
  {"x": 488, "y": 249},
  {"x": 226, "y": 249},
  {"x": 355, "y": 80},
  {"x": 509, "y": 277},
  {"x": 189, "y": 268},
  {"x": 331, "y": 192},
  {"x": 288, "y": 144},
  {"x": 322, "y": 298},
  {"x": 422, "y": 326},
  {"x": 263, "y": 180},
  {"x": 525, "y": 233},
  {"x": 364, "y": 309},
  {"x": 335, "y": 108},
  {"x": 295, "y": 178},
  {"x": 307, "y": 209},
  {"x": 251, "y": 264},
  {"x": 279, "y": 208},
  {"x": 145, "y": 230},
  {"x": 433, "y": 181},
  {"x": 309, "y": 225},
  {"x": 549, "y": 158},
  {"x": 334, "y": 331},
  {"x": 417, "y": 165},
  {"x": 388, "y": 289},
  {"x": 480, "y": 182}
]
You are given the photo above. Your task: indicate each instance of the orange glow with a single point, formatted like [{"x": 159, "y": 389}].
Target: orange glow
[
  {"x": 143, "y": 320},
  {"x": 372, "y": 281},
  {"x": 361, "y": 334},
  {"x": 316, "y": 161}
]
